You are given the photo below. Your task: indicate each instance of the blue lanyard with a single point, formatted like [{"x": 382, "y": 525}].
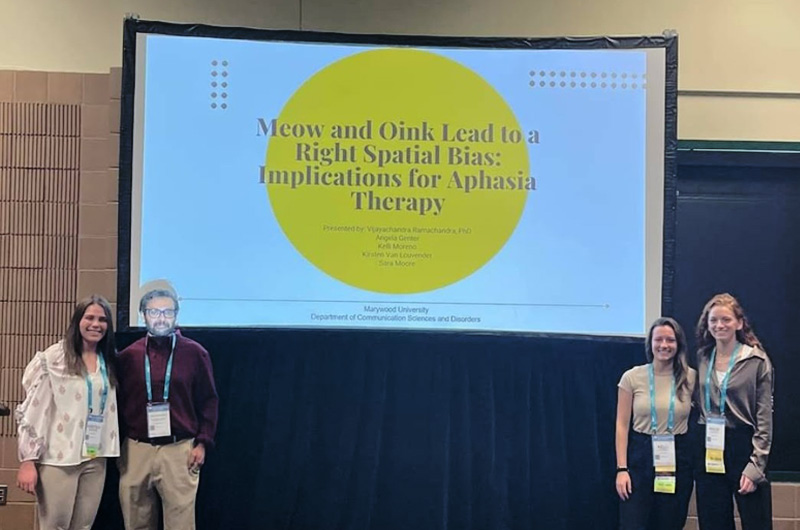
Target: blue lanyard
[
  {"x": 104, "y": 391},
  {"x": 723, "y": 386},
  {"x": 653, "y": 418},
  {"x": 167, "y": 376}
]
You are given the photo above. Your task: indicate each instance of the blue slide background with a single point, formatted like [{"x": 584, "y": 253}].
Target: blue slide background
[{"x": 575, "y": 264}]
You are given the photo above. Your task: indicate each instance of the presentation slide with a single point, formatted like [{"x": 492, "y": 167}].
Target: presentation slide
[{"x": 296, "y": 184}]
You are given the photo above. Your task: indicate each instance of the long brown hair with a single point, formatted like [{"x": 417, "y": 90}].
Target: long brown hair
[
  {"x": 705, "y": 342},
  {"x": 680, "y": 366},
  {"x": 73, "y": 340}
]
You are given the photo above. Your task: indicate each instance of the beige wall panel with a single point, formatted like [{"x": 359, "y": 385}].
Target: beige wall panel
[
  {"x": 30, "y": 86},
  {"x": 94, "y": 121},
  {"x": 728, "y": 118},
  {"x": 114, "y": 116},
  {"x": 94, "y": 154},
  {"x": 64, "y": 87},
  {"x": 8, "y": 453},
  {"x": 97, "y": 187},
  {"x": 115, "y": 83},
  {"x": 95, "y": 89},
  {"x": 113, "y": 151},
  {"x": 6, "y": 88},
  {"x": 97, "y": 253},
  {"x": 783, "y": 501},
  {"x": 112, "y": 180},
  {"x": 98, "y": 282},
  {"x": 98, "y": 220}
]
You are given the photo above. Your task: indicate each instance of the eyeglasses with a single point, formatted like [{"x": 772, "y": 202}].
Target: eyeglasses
[{"x": 155, "y": 313}]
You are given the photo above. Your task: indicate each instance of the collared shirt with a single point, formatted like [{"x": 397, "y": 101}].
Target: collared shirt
[
  {"x": 193, "y": 400},
  {"x": 748, "y": 403},
  {"x": 52, "y": 418}
]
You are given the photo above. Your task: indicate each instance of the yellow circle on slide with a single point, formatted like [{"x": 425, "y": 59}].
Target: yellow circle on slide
[{"x": 343, "y": 164}]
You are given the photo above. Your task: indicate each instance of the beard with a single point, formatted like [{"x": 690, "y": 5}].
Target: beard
[{"x": 160, "y": 331}]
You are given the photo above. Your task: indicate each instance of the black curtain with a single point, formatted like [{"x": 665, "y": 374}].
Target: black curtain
[
  {"x": 738, "y": 220},
  {"x": 377, "y": 430}
]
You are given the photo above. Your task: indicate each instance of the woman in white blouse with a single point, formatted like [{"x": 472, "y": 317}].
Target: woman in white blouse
[{"x": 68, "y": 422}]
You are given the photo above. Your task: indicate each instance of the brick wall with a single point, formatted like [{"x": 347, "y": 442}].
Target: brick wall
[{"x": 58, "y": 224}]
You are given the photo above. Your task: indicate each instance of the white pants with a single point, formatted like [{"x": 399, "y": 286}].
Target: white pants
[{"x": 68, "y": 496}]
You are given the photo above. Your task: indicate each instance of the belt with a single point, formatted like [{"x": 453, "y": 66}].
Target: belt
[{"x": 163, "y": 440}]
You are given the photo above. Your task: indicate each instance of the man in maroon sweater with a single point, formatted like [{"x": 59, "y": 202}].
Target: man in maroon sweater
[{"x": 168, "y": 408}]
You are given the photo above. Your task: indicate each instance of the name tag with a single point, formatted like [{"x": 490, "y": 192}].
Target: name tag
[
  {"x": 664, "y": 452},
  {"x": 715, "y": 463},
  {"x": 158, "y": 423},
  {"x": 664, "y": 483},
  {"x": 715, "y": 444},
  {"x": 715, "y": 433},
  {"x": 92, "y": 435}
]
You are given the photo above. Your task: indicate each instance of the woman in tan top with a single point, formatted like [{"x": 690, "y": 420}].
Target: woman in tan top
[
  {"x": 735, "y": 398},
  {"x": 655, "y": 400}
]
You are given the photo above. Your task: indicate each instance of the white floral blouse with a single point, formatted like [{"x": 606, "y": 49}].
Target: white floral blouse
[{"x": 52, "y": 418}]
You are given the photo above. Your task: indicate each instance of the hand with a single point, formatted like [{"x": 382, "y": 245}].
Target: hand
[
  {"x": 196, "y": 458},
  {"x": 27, "y": 477},
  {"x": 624, "y": 488},
  {"x": 746, "y": 485}
]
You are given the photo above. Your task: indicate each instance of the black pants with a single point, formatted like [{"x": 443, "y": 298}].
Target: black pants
[
  {"x": 715, "y": 492},
  {"x": 645, "y": 509}
]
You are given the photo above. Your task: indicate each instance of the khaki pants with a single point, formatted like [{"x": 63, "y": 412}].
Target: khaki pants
[
  {"x": 68, "y": 496},
  {"x": 148, "y": 472}
]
